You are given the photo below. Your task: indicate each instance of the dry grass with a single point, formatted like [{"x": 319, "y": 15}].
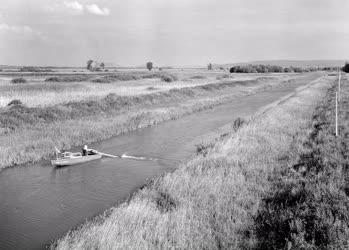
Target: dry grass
[
  {"x": 47, "y": 94},
  {"x": 36, "y": 93},
  {"x": 210, "y": 202},
  {"x": 308, "y": 203}
]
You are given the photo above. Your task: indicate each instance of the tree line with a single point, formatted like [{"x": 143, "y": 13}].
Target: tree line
[{"x": 273, "y": 69}]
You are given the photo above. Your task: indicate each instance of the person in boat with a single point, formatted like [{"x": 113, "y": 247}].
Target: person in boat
[{"x": 85, "y": 150}]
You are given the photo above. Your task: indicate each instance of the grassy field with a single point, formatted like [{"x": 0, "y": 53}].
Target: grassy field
[
  {"x": 46, "y": 90},
  {"x": 214, "y": 200},
  {"x": 29, "y": 132}
]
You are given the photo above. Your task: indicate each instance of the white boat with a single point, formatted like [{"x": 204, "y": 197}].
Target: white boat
[{"x": 69, "y": 158}]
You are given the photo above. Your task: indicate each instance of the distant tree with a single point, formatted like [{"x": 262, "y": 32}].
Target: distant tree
[
  {"x": 346, "y": 67},
  {"x": 89, "y": 64},
  {"x": 209, "y": 66},
  {"x": 102, "y": 65},
  {"x": 15, "y": 102},
  {"x": 149, "y": 66}
]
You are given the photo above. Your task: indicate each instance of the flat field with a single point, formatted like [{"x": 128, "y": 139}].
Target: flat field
[{"x": 73, "y": 86}]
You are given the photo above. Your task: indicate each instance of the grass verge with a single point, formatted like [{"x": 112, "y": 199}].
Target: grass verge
[
  {"x": 307, "y": 206},
  {"x": 209, "y": 202}
]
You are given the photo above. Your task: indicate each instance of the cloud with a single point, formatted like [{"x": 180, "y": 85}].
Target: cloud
[
  {"x": 5, "y": 28},
  {"x": 74, "y": 6},
  {"x": 96, "y": 10}
]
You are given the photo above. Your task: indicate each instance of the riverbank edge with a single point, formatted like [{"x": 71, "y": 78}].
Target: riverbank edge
[
  {"x": 165, "y": 199},
  {"x": 29, "y": 146},
  {"x": 309, "y": 196}
]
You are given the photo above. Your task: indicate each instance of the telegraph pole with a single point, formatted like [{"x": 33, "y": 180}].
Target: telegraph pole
[
  {"x": 339, "y": 85},
  {"x": 336, "y": 114}
]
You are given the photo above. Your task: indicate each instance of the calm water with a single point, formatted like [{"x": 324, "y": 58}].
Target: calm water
[{"x": 39, "y": 203}]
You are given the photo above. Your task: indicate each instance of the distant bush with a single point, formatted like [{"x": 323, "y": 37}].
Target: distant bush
[
  {"x": 18, "y": 80},
  {"x": 118, "y": 77},
  {"x": 346, "y": 68},
  {"x": 52, "y": 79},
  {"x": 34, "y": 69},
  {"x": 198, "y": 77},
  {"x": 268, "y": 69},
  {"x": 15, "y": 102},
  {"x": 168, "y": 77},
  {"x": 151, "y": 88},
  {"x": 72, "y": 78}
]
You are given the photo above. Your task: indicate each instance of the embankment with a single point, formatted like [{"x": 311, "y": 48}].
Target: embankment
[
  {"x": 211, "y": 201},
  {"x": 30, "y": 134},
  {"x": 307, "y": 206}
]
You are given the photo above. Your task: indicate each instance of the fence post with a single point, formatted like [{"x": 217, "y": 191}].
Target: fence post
[{"x": 336, "y": 114}]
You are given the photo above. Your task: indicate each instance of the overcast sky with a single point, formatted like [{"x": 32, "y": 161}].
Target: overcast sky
[{"x": 171, "y": 32}]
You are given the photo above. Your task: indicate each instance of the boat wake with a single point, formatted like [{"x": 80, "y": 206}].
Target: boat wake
[{"x": 140, "y": 158}]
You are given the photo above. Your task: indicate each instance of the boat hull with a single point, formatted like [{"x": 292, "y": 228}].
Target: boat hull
[{"x": 74, "y": 161}]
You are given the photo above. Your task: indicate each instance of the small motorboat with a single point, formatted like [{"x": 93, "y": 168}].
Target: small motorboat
[{"x": 69, "y": 158}]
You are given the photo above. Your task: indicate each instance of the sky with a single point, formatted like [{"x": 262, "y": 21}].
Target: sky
[{"x": 171, "y": 32}]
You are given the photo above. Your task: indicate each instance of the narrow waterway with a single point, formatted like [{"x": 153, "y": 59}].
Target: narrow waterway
[{"x": 39, "y": 203}]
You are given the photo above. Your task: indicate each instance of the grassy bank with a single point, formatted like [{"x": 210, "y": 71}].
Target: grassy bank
[
  {"x": 209, "y": 202},
  {"x": 30, "y": 134},
  {"x": 307, "y": 206},
  {"x": 17, "y": 116}
]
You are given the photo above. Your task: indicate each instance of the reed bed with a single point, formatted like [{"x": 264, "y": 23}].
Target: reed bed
[
  {"x": 209, "y": 202},
  {"x": 71, "y": 87},
  {"x": 52, "y": 93}
]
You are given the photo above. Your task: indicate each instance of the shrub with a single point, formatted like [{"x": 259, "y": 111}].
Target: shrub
[
  {"x": 34, "y": 69},
  {"x": 346, "y": 68},
  {"x": 198, "y": 77},
  {"x": 15, "y": 102},
  {"x": 52, "y": 79},
  {"x": 114, "y": 78},
  {"x": 18, "y": 80},
  {"x": 151, "y": 88},
  {"x": 72, "y": 78},
  {"x": 203, "y": 149},
  {"x": 168, "y": 78},
  {"x": 238, "y": 123}
]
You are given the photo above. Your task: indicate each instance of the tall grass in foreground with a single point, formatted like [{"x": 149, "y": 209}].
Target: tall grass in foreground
[
  {"x": 209, "y": 202},
  {"x": 308, "y": 204}
]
